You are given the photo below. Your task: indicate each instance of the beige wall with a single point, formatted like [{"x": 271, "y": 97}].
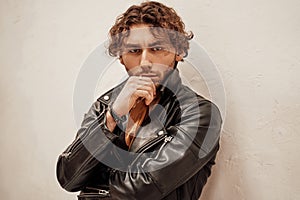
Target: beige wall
[{"x": 255, "y": 45}]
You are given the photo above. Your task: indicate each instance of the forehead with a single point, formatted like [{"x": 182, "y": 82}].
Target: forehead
[{"x": 144, "y": 35}]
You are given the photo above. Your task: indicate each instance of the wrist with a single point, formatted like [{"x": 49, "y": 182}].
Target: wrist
[{"x": 117, "y": 118}]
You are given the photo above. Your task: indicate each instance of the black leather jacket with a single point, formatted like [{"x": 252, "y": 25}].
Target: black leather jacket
[{"x": 170, "y": 159}]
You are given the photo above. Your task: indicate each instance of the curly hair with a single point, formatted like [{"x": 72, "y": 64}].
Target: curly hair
[{"x": 154, "y": 14}]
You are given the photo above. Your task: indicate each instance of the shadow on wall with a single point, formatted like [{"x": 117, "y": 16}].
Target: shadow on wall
[{"x": 226, "y": 179}]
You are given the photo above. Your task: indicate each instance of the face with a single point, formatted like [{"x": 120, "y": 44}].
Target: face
[{"x": 147, "y": 55}]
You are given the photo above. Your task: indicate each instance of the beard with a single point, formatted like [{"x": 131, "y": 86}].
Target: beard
[{"x": 157, "y": 76}]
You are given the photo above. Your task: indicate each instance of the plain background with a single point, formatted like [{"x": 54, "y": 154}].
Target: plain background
[{"x": 255, "y": 45}]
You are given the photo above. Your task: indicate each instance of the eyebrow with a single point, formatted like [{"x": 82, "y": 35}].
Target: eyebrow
[
  {"x": 132, "y": 46},
  {"x": 157, "y": 43},
  {"x": 136, "y": 45}
]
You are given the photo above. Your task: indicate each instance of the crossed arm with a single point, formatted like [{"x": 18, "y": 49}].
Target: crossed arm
[{"x": 194, "y": 143}]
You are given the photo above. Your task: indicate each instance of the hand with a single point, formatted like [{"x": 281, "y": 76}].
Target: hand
[{"x": 136, "y": 88}]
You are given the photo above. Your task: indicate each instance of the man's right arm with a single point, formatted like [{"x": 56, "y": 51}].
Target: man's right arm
[{"x": 76, "y": 165}]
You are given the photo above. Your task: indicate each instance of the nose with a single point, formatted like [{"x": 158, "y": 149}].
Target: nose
[{"x": 145, "y": 62}]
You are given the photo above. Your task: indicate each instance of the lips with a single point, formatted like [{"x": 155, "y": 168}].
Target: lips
[
  {"x": 154, "y": 77},
  {"x": 150, "y": 75}
]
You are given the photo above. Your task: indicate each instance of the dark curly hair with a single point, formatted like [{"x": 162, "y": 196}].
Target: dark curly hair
[{"x": 154, "y": 14}]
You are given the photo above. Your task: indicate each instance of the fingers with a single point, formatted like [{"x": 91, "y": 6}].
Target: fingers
[
  {"x": 148, "y": 96},
  {"x": 147, "y": 83},
  {"x": 145, "y": 89},
  {"x": 142, "y": 83},
  {"x": 135, "y": 88}
]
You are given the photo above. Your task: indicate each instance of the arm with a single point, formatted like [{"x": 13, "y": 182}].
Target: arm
[
  {"x": 94, "y": 140},
  {"x": 77, "y": 164},
  {"x": 149, "y": 182}
]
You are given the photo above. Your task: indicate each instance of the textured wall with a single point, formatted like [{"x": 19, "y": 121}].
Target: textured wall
[{"x": 254, "y": 43}]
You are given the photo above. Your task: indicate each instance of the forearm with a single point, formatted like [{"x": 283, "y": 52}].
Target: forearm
[
  {"x": 78, "y": 162},
  {"x": 156, "y": 176},
  {"x": 76, "y": 165},
  {"x": 195, "y": 143}
]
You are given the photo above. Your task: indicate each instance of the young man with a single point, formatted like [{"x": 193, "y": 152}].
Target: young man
[{"x": 150, "y": 137}]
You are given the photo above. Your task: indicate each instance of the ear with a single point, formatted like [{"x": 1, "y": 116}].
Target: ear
[
  {"x": 178, "y": 57},
  {"x": 121, "y": 60}
]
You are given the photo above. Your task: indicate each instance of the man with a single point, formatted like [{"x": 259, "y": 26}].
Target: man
[{"x": 150, "y": 137}]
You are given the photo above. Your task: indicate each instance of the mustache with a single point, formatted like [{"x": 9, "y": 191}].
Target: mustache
[{"x": 147, "y": 72}]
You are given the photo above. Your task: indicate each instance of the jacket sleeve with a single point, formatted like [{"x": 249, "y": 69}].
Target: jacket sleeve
[
  {"x": 195, "y": 142},
  {"x": 77, "y": 164}
]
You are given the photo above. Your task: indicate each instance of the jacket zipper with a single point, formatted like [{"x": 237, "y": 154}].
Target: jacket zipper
[{"x": 150, "y": 144}]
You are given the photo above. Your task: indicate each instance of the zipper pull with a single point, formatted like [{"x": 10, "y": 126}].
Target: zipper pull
[{"x": 168, "y": 139}]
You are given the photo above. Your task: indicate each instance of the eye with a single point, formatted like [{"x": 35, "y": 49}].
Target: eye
[
  {"x": 157, "y": 48},
  {"x": 134, "y": 50}
]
